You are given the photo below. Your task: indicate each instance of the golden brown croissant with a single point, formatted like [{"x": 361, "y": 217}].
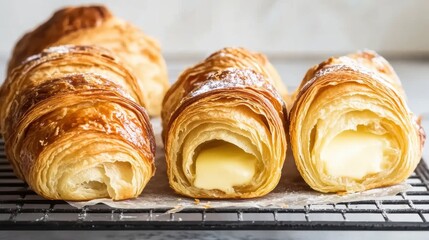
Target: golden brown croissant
[
  {"x": 95, "y": 25},
  {"x": 224, "y": 127},
  {"x": 350, "y": 126},
  {"x": 72, "y": 128},
  {"x": 55, "y": 62}
]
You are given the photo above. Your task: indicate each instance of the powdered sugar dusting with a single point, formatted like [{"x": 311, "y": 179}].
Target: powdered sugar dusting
[
  {"x": 234, "y": 78},
  {"x": 351, "y": 66},
  {"x": 57, "y": 49}
]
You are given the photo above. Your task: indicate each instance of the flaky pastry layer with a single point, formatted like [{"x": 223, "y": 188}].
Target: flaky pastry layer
[
  {"x": 230, "y": 98},
  {"x": 358, "y": 99},
  {"x": 96, "y": 25}
]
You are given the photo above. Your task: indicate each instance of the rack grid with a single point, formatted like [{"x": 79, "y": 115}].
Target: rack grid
[{"x": 22, "y": 209}]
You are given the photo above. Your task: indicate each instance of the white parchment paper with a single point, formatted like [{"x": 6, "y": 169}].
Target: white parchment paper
[{"x": 291, "y": 191}]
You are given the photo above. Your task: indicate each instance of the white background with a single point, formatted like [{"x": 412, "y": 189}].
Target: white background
[{"x": 288, "y": 27}]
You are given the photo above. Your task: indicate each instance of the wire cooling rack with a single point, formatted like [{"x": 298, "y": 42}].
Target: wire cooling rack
[{"x": 22, "y": 209}]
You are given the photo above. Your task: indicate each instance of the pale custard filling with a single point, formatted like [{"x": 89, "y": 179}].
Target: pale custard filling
[
  {"x": 354, "y": 154},
  {"x": 223, "y": 166}
]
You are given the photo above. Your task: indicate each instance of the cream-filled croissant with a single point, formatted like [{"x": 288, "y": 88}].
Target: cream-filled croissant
[
  {"x": 350, "y": 126},
  {"x": 72, "y": 128},
  {"x": 95, "y": 25},
  {"x": 224, "y": 127}
]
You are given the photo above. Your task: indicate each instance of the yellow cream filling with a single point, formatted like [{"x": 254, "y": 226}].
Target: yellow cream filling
[
  {"x": 354, "y": 154},
  {"x": 223, "y": 166}
]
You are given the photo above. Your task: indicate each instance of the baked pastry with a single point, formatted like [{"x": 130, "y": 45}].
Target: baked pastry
[
  {"x": 57, "y": 61},
  {"x": 72, "y": 128},
  {"x": 350, "y": 126},
  {"x": 224, "y": 128},
  {"x": 95, "y": 25}
]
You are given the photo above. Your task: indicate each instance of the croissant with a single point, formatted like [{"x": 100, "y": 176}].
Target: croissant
[
  {"x": 55, "y": 62},
  {"x": 95, "y": 25},
  {"x": 72, "y": 128},
  {"x": 224, "y": 127},
  {"x": 350, "y": 127}
]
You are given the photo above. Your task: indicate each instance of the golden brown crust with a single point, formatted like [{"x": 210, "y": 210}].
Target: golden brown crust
[
  {"x": 342, "y": 94},
  {"x": 95, "y": 25},
  {"x": 366, "y": 58},
  {"x": 230, "y": 97},
  {"x": 225, "y": 58},
  {"x": 57, "y": 61},
  {"x": 62, "y": 22},
  {"x": 76, "y": 135},
  {"x": 68, "y": 92}
]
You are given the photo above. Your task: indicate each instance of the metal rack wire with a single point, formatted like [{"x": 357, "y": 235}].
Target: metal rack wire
[{"x": 22, "y": 209}]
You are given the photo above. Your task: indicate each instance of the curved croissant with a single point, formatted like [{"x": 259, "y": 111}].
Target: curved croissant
[
  {"x": 95, "y": 25},
  {"x": 75, "y": 135},
  {"x": 224, "y": 128},
  {"x": 350, "y": 127}
]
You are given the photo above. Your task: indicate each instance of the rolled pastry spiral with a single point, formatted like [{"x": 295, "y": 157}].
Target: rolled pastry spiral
[
  {"x": 350, "y": 127},
  {"x": 72, "y": 128},
  {"x": 224, "y": 107},
  {"x": 96, "y": 25},
  {"x": 60, "y": 60}
]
